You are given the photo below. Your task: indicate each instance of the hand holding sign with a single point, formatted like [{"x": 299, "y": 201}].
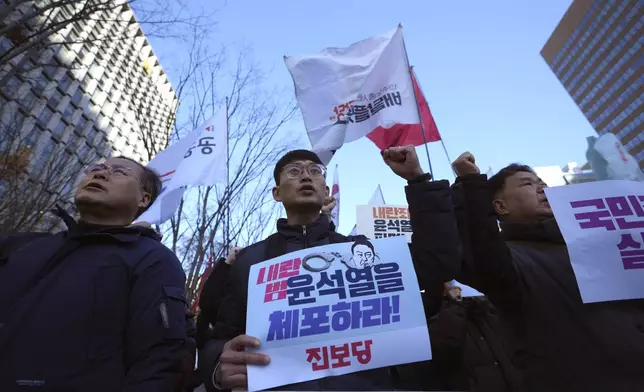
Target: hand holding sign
[
  {"x": 403, "y": 161},
  {"x": 231, "y": 371}
]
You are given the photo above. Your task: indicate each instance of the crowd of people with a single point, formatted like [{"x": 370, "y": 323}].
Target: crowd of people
[{"x": 101, "y": 306}]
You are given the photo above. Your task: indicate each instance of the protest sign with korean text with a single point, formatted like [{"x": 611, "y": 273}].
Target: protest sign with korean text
[
  {"x": 383, "y": 221},
  {"x": 335, "y": 309},
  {"x": 603, "y": 226}
]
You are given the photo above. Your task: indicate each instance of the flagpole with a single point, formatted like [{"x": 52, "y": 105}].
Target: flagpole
[
  {"x": 422, "y": 126},
  {"x": 445, "y": 149},
  {"x": 227, "y": 223}
]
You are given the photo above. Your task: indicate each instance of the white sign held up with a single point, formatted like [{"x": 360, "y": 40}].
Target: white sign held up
[
  {"x": 603, "y": 226},
  {"x": 357, "y": 308}
]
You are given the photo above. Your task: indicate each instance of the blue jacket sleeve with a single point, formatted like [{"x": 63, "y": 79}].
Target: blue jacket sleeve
[{"x": 156, "y": 329}]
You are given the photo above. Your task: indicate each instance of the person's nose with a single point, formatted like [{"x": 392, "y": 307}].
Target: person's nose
[
  {"x": 305, "y": 176},
  {"x": 100, "y": 175}
]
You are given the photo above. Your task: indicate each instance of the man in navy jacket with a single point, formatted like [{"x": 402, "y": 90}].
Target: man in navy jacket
[{"x": 99, "y": 307}]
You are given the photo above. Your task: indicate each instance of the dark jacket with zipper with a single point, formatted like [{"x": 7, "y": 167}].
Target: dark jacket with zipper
[
  {"x": 94, "y": 308},
  {"x": 560, "y": 343},
  {"x": 434, "y": 264}
]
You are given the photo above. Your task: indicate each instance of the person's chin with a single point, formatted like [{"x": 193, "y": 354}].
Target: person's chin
[
  {"x": 89, "y": 197},
  {"x": 308, "y": 202}
]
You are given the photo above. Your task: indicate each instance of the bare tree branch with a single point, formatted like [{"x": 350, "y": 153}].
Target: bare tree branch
[{"x": 257, "y": 118}]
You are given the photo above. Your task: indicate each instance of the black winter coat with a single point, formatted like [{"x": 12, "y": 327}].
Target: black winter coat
[
  {"x": 210, "y": 299},
  {"x": 560, "y": 343},
  {"x": 434, "y": 264},
  {"x": 90, "y": 309}
]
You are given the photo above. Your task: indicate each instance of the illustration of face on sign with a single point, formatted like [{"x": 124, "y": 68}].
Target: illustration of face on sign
[{"x": 363, "y": 255}]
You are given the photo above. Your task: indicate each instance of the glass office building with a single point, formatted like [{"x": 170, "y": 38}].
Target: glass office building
[{"x": 596, "y": 53}]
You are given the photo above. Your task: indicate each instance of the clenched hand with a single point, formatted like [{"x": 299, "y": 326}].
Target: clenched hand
[
  {"x": 465, "y": 165},
  {"x": 403, "y": 161}
]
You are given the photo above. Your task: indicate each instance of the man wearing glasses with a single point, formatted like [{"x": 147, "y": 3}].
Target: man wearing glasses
[
  {"x": 300, "y": 185},
  {"x": 99, "y": 307}
]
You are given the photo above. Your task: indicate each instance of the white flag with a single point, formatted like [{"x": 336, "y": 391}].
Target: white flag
[
  {"x": 345, "y": 93},
  {"x": 619, "y": 164},
  {"x": 377, "y": 199},
  {"x": 197, "y": 159},
  {"x": 489, "y": 173},
  {"x": 335, "y": 192}
]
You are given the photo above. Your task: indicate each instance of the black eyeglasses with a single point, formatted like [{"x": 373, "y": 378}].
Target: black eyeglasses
[{"x": 294, "y": 170}]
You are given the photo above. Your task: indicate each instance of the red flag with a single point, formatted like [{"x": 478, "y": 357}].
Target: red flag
[
  {"x": 202, "y": 280},
  {"x": 406, "y": 134}
]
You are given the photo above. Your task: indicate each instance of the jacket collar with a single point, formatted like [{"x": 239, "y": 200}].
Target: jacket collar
[
  {"x": 314, "y": 231},
  {"x": 545, "y": 230},
  {"x": 126, "y": 234}
]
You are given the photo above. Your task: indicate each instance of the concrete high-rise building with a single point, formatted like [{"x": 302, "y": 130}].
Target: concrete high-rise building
[
  {"x": 101, "y": 92},
  {"x": 596, "y": 53}
]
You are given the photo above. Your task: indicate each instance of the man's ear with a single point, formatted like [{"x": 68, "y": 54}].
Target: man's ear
[
  {"x": 500, "y": 207},
  {"x": 146, "y": 198},
  {"x": 276, "y": 194},
  {"x": 328, "y": 191}
]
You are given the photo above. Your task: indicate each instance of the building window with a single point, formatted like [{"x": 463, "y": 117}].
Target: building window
[
  {"x": 45, "y": 115},
  {"x": 68, "y": 113},
  {"x": 64, "y": 82},
  {"x": 55, "y": 99},
  {"x": 72, "y": 143},
  {"x": 59, "y": 130},
  {"x": 12, "y": 88},
  {"x": 44, "y": 155},
  {"x": 76, "y": 98}
]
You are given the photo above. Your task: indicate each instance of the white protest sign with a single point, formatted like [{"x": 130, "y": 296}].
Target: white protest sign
[
  {"x": 383, "y": 221},
  {"x": 603, "y": 225},
  {"x": 359, "y": 309}
]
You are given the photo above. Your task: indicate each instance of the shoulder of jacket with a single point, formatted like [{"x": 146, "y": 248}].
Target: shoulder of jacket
[
  {"x": 13, "y": 243},
  {"x": 151, "y": 252},
  {"x": 252, "y": 252}
]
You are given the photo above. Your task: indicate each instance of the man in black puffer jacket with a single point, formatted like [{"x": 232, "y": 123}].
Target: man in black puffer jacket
[
  {"x": 560, "y": 343},
  {"x": 301, "y": 187}
]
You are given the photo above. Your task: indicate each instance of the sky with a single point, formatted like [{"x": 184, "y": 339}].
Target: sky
[{"x": 478, "y": 63}]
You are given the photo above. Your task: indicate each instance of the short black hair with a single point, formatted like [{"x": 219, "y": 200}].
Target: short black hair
[
  {"x": 292, "y": 156},
  {"x": 365, "y": 242},
  {"x": 150, "y": 181},
  {"x": 496, "y": 183}
]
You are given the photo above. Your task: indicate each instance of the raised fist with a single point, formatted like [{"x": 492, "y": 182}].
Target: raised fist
[
  {"x": 403, "y": 161},
  {"x": 465, "y": 165}
]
